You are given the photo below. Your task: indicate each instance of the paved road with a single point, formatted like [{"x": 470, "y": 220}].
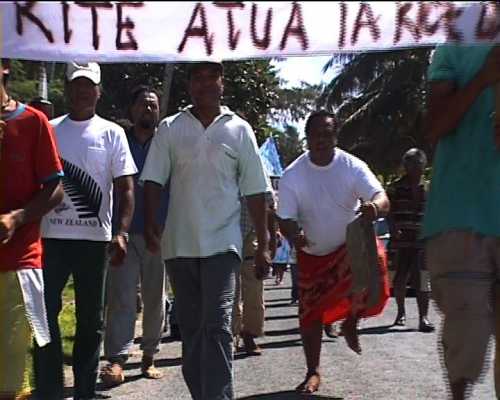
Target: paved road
[{"x": 397, "y": 363}]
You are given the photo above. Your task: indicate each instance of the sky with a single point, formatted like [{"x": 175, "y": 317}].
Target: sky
[{"x": 308, "y": 69}]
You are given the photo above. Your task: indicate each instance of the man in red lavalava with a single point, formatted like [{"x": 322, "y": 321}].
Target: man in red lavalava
[{"x": 320, "y": 193}]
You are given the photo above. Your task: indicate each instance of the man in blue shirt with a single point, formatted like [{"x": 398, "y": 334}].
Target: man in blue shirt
[
  {"x": 462, "y": 221},
  {"x": 140, "y": 264}
]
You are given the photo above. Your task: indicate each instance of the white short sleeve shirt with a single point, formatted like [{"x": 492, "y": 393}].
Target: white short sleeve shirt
[
  {"x": 208, "y": 170},
  {"x": 94, "y": 153},
  {"x": 324, "y": 200}
]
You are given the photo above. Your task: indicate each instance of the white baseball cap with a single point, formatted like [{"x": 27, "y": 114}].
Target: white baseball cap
[{"x": 90, "y": 71}]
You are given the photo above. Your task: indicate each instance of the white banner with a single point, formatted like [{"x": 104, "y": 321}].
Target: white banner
[{"x": 129, "y": 31}]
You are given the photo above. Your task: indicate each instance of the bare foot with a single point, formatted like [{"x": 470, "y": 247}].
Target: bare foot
[
  {"x": 350, "y": 331},
  {"x": 310, "y": 385}
]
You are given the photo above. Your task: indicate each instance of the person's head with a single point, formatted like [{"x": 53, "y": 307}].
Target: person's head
[
  {"x": 82, "y": 87},
  {"x": 144, "y": 110},
  {"x": 206, "y": 84},
  {"x": 414, "y": 162},
  {"x": 321, "y": 133},
  {"x": 44, "y": 106}
]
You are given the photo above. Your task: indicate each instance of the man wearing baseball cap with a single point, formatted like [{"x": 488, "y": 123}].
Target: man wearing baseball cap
[{"x": 77, "y": 235}]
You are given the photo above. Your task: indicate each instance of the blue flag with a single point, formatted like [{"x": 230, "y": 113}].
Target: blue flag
[{"x": 270, "y": 157}]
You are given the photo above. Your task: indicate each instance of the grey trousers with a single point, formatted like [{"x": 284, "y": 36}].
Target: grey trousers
[
  {"x": 204, "y": 293},
  {"x": 122, "y": 305}
]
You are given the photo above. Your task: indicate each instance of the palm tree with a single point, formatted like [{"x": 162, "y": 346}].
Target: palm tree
[{"x": 380, "y": 100}]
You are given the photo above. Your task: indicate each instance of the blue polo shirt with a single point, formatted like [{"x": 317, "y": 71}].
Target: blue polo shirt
[
  {"x": 465, "y": 187},
  {"x": 139, "y": 152}
]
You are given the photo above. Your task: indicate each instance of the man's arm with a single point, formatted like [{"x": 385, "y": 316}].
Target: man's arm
[
  {"x": 292, "y": 232},
  {"x": 152, "y": 198},
  {"x": 45, "y": 200},
  {"x": 379, "y": 206},
  {"x": 258, "y": 212},
  {"x": 448, "y": 104},
  {"x": 124, "y": 193},
  {"x": 272, "y": 227}
]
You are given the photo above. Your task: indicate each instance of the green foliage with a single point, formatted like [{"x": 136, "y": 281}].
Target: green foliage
[
  {"x": 380, "y": 98},
  {"x": 252, "y": 89},
  {"x": 290, "y": 146},
  {"x": 22, "y": 81}
]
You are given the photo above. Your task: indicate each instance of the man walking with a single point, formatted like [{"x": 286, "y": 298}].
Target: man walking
[
  {"x": 30, "y": 173},
  {"x": 462, "y": 220},
  {"x": 97, "y": 162},
  {"x": 210, "y": 156},
  {"x": 320, "y": 192},
  {"x": 407, "y": 196},
  {"x": 249, "y": 307},
  {"x": 139, "y": 264}
]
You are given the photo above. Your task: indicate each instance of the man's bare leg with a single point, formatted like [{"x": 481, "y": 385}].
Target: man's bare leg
[
  {"x": 350, "y": 331},
  {"x": 311, "y": 340}
]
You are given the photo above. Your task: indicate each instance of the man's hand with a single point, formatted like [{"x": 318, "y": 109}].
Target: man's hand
[
  {"x": 300, "y": 241},
  {"x": 263, "y": 263},
  {"x": 118, "y": 250},
  {"x": 273, "y": 245},
  {"x": 8, "y": 225},
  {"x": 152, "y": 236},
  {"x": 369, "y": 211}
]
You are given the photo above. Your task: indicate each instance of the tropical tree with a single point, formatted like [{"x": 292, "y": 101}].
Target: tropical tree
[
  {"x": 380, "y": 100},
  {"x": 289, "y": 143},
  {"x": 252, "y": 89}
]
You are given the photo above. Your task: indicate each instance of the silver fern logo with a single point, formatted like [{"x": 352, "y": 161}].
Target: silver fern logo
[
  {"x": 61, "y": 208},
  {"x": 83, "y": 190}
]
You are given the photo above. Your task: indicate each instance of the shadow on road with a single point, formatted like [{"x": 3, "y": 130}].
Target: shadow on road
[
  {"x": 288, "y": 395},
  {"x": 280, "y": 317},
  {"x": 283, "y": 332},
  {"x": 277, "y": 300},
  {"x": 382, "y": 330},
  {"x": 284, "y": 343},
  {"x": 280, "y": 287},
  {"x": 165, "y": 362},
  {"x": 278, "y": 305}
]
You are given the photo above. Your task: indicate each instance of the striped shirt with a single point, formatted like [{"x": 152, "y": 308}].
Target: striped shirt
[{"x": 407, "y": 211}]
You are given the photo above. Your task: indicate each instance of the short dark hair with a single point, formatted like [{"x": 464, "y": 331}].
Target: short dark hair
[
  {"x": 40, "y": 100},
  {"x": 139, "y": 90},
  {"x": 135, "y": 93},
  {"x": 415, "y": 154},
  {"x": 195, "y": 66},
  {"x": 320, "y": 114}
]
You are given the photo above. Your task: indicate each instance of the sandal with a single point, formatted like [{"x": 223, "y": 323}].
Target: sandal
[
  {"x": 310, "y": 384},
  {"x": 112, "y": 374},
  {"x": 149, "y": 370}
]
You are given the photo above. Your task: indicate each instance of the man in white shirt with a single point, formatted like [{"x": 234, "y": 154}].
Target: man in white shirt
[
  {"x": 321, "y": 192},
  {"x": 97, "y": 162},
  {"x": 210, "y": 156}
]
